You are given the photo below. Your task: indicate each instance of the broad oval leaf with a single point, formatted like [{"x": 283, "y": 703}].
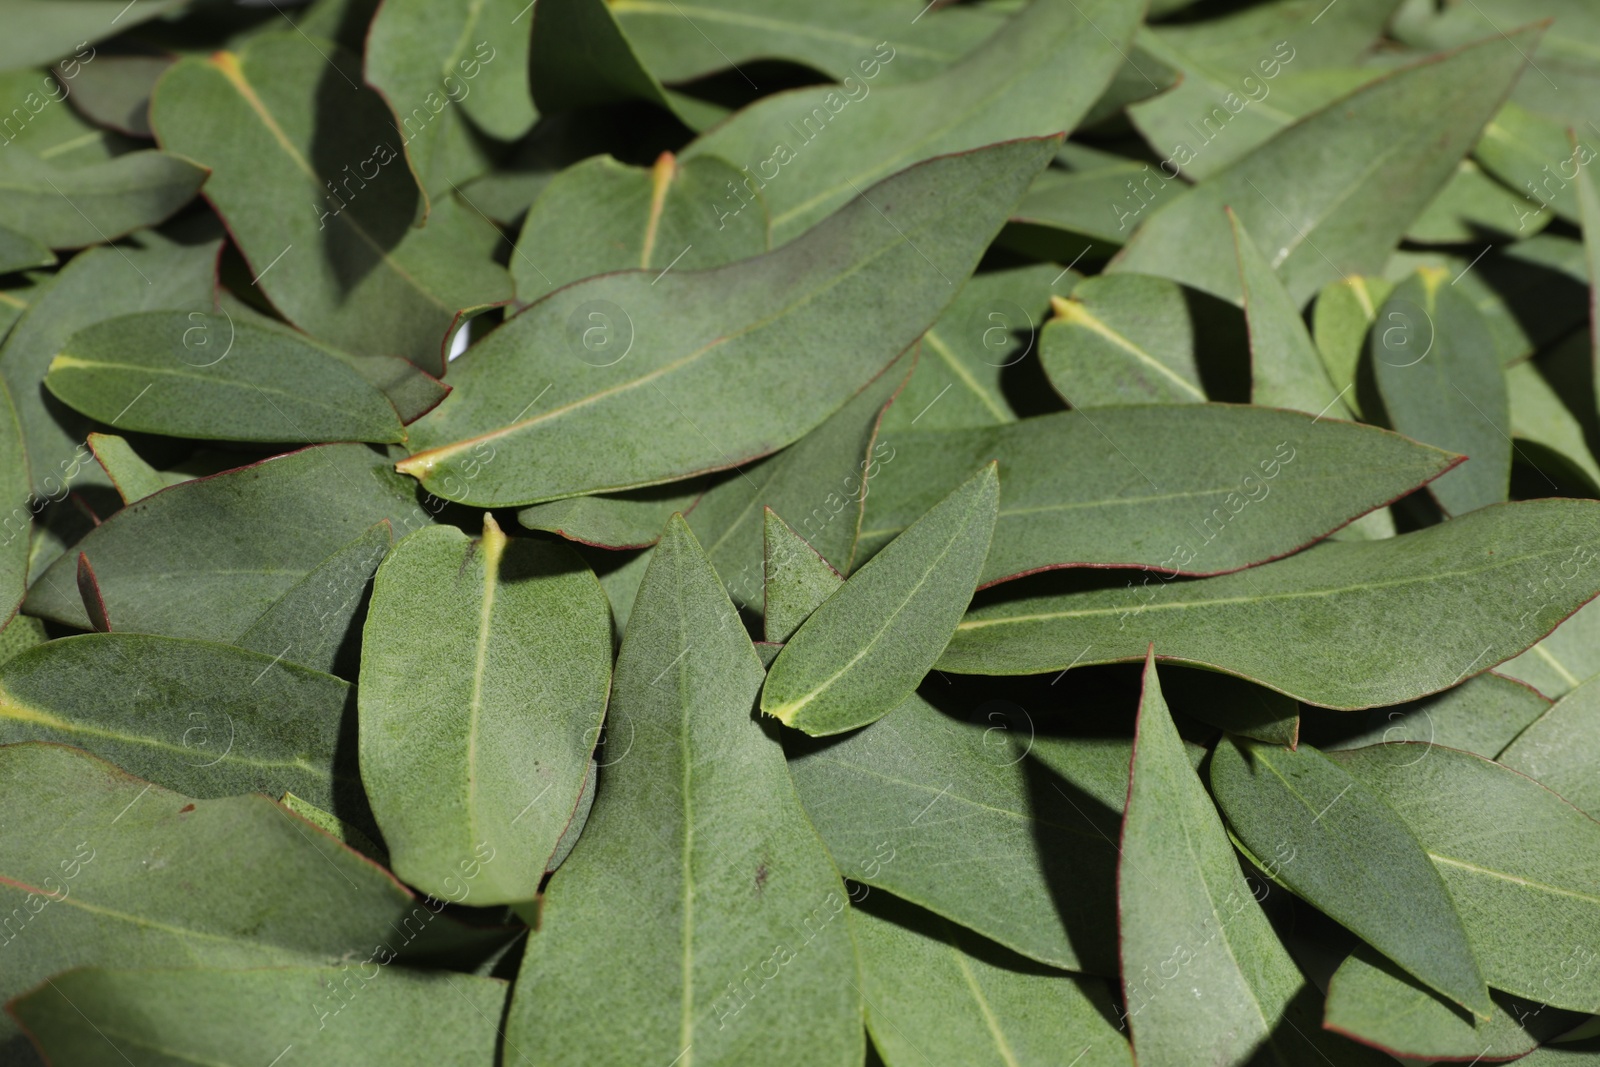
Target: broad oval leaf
[
  {"x": 207, "y": 1015},
  {"x": 868, "y": 646},
  {"x": 940, "y": 996},
  {"x": 697, "y": 866},
  {"x": 1442, "y": 382},
  {"x": 265, "y": 386},
  {"x": 1383, "y": 621},
  {"x": 312, "y": 184},
  {"x": 484, "y": 671},
  {"x": 1316, "y": 196},
  {"x": 202, "y": 718},
  {"x": 236, "y": 541},
  {"x": 1196, "y": 489},
  {"x": 813, "y": 149},
  {"x": 1184, "y": 904},
  {"x": 1521, "y": 864},
  {"x": 1350, "y": 856},
  {"x": 102, "y": 868},
  {"x": 636, "y": 379}
]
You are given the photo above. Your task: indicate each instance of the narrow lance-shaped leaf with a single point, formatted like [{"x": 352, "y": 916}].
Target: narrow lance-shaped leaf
[
  {"x": 697, "y": 866},
  {"x": 207, "y": 1015},
  {"x": 860, "y": 654},
  {"x": 284, "y": 517},
  {"x": 1317, "y": 197},
  {"x": 314, "y": 191},
  {"x": 795, "y": 578},
  {"x": 1354, "y": 859},
  {"x": 1482, "y": 715},
  {"x": 631, "y": 519},
  {"x": 1184, "y": 906},
  {"x": 202, "y": 718},
  {"x": 1521, "y": 864},
  {"x": 1285, "y": 369},
  {"x": 1344, "y": 625},
  {"x": 1197, "y": 489},
  {"x": 484, "y": 671},
  {"x": 79, "y": 837},
  {"x": 810, "y": 150},
  {"x": 70, "y": 207},
  {"x": 1345, "y": 310},
  {"x": 599, "y": 216},
  {"x": 703, "y": 372},
  {"x": 265, "y": 386},
  {"x": 1442, "y": 383},
  {"x": 940, "y": 996}
]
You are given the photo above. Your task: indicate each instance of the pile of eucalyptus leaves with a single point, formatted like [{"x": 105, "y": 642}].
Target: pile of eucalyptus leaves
[{"x": 760, "y": 532}]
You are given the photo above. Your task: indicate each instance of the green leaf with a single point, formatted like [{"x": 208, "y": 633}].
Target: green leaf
[
  {"x": 1373, "y": 1001},
  {"x": 99, "y": 284},
  {"x": 1481, "y": 715},
  {"x": 1527, "y": 898},
  {"x": 1467, "y": 590},
  {"x": 202, "y": 718},
  {"x": 133, "y": 478},
  {"x": 1122, "y": 339},
  {"x": 1344, "y": 312},
  {"x": 283, "y": 517},
  {"x": 266, "y": 386},
  {"x": 1568, "y": 656},
  {"x": 207, "y": 1015},
  {"x": 436, "y": 62},
  {"x": 861, "y": 653},
  {"x": 1317, "y": 196},
  {"x": 987, "y": 822},
  {"x": 310, "y": 623},
  {"x": 335, "y": 827},
  {"x": 740, "y": 377},
  {"x": 1076, "y": 201},
  {"x": 615, "y": 520},
  {"x": 1285, "y": 369},
  {"x": 1183, "y": 903},
  {"x": 115, "y": 91},
  {"x": 311, "y": 188},
  {"x": 837, "y": 37},
  {"x": 1539, "y": 415},
  {"x": 1589, "y": 214},
  {"x": 823, "y": 479},
  {"x": 1233, "y": 705},
  {"x": 1038, "y": 74},
  {"x": 1171, "y": 489},
  {"x": 939, "y": 996},
  {"x": 1559, "y": 748},
  {"x": 102, "y": 868},
  {"x": 600, "y": 216},
  {"x": 967, "y": 357},
  {"x": 696, "y": 836},
  {"x": 484, "y": 671},
  {"x": 43, "y": 30},
  {"x": 1350, "y": 856},
  {"x": 18, "y": 251},
  {"x": 1532, "y": 153},
  {"x": 796, "y": 579},
  {"x": 69, "y": 207},
  {"x": 1442, "y": 383},
  {"x": 18, "y": 503}
]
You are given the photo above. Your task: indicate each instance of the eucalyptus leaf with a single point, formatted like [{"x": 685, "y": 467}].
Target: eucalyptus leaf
[
  {"x": 1338, "y": 592},
  {"x": 863, "y": 651},
  {"x": 62, "y": 207},
  {"x": 701, "y": 340},
  {"x": 1527, "y": 899},
  {"x": 696, "y": 830},
  {"x": 1238, "y": 485},
  {"x": 615, "y": 520},
  {"x": 1122, "y": 339},
  {"x": 1038, "y": 74},
  {"x": 241, "y": 1016},
  {"x": 133, "y": 477},
  {"x": 1559, "y": 748},
  {"x": 796, "y": 579},
  {"x": 484, "y": 672}
]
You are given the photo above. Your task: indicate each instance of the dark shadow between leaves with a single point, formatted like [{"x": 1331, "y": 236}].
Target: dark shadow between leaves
[{"x": 1076, "y": 837}]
